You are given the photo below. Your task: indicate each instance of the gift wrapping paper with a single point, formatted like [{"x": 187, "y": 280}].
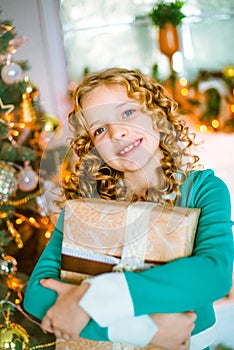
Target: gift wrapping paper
[{"x": 126, "y": 236}]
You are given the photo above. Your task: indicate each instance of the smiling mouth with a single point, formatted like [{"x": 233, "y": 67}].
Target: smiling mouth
[{"x": 130, "y": 147}]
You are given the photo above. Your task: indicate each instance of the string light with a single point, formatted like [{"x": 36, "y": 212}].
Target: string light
[
  {"x": 19, "y": 221},
  {"x": 203, "y": 129},
  {"x": 48, "y": 234},
  {"x": 183, "y": 81},
  {"x": 184, "y": 92},
  {"x": 215, "y": 123}
]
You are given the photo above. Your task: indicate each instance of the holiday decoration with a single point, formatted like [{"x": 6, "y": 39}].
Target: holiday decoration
[
  {"x": 8, "y": 181},
  {"x": 9, "y": 107},
  {"x": 27, "y": 113},
  {"x": 12, "y": 335},
  {"x": 208, "y": 100},
  {"x": 8, "y": 265},
  {"x": 28, "y": 179},
  {"x": 11, "y": 73},
  {"x": 167, "y": 16}
]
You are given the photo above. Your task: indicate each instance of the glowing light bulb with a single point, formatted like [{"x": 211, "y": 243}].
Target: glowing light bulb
[
  {"x": 184, "y": 91},
  {"x": 203, "y": 129},
  {"x": 48, "y": 234},
  {"x": 32, "y": 220},
  {"x": 183, "y": 81},
  {"x": 215, "y": 123}
]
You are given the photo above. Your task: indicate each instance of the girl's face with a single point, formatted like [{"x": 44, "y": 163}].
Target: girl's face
[{"x": 122, "y": 133}]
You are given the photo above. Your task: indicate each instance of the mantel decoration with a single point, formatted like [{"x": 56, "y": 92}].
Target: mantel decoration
[
  {"x": 167, "y": 16},
  {"x": 208, "y": 100}
]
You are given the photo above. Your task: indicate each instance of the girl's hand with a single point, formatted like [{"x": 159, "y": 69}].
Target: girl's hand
[
  {"x": 65, "y": 318},
  {"x": 174, "y": 330}
]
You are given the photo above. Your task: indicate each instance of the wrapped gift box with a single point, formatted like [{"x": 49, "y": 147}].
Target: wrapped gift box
[{"x": 99, "y": 234}]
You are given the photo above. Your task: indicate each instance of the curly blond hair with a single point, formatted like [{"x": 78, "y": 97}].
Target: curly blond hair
[{"x": 93, "y": 177}]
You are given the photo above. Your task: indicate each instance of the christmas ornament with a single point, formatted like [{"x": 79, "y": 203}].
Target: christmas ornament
[
  {"x": 8, "y": 181},
  {"x": 11, "y": 73},
  {"x": 51, "y": 122},
  {"x": 15, "y": 234},
  {"x": 13, "y": 336},
  {"x": 27, "y": 113},
  {"x": 9, "y": 329},
  {"x": 9, "y": 108},
  {"x": 229, "y": 72},
  {"x": 28, "y": 179},
  {"x": 8, "y": 265}
]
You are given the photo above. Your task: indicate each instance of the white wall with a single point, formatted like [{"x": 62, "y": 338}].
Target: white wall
[{"x": 38, "y": 21}]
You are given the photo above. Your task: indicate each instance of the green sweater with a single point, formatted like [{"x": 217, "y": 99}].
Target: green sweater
[{"x": 190, "y": 283}]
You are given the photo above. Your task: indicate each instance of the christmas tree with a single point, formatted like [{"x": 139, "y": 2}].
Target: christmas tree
[{"x": 25, "y": 226}]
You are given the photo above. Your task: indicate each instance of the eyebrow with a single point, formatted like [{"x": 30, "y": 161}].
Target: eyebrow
[
  {"x": 95, "y": 122},
  {"x": 117, "y": 106},
  {"x": 125, "y": 103}
]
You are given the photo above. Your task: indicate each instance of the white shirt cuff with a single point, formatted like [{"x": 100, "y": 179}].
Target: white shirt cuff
[
  {"x": 137, "y": 331},
  {"x": 108, "y": 299}
]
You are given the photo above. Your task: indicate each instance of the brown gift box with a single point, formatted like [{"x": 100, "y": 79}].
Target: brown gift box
[{"x": 100, "y": 234}]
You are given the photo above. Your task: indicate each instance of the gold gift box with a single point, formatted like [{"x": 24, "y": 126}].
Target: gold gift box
[{"x": 100, "y": 235}]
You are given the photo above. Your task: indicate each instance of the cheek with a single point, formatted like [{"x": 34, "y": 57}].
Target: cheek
[{"x": 103, "y": 149}]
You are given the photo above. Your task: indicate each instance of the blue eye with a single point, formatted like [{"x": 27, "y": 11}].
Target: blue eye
[
  {"x": 128, "y": 113},
  {"x": 99, "y": 131}
]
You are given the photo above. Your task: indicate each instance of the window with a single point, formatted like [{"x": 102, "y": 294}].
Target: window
[{"x": 105, "y": 33}]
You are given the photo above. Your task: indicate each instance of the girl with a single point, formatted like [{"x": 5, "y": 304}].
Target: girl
[{"x": 132, "y": 145}]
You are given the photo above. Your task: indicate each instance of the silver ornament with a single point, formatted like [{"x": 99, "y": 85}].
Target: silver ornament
[
  {"x": 8, "y": 181},
  {"x": 8, "y": 265},
  {"x": 28, "y": 179},
  {"x": 11, "y": 73}
]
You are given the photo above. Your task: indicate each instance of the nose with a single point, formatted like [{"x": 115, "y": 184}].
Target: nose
[{"x": 118, "y": 131}]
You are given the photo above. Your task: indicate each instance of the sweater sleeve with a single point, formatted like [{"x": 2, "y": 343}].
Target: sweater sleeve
[
  {"x": 186, "y": 283},
  {"x": 37, "y": 299}
]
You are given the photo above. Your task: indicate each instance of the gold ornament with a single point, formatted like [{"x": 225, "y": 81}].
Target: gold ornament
[
  {"x": 13, "y": 336},
  {"x": 27, "y": 113},
  {"x": 15, "y": 234},
  {"x": 229, "y": 72},
  {"x": 51, "y": 122}
]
